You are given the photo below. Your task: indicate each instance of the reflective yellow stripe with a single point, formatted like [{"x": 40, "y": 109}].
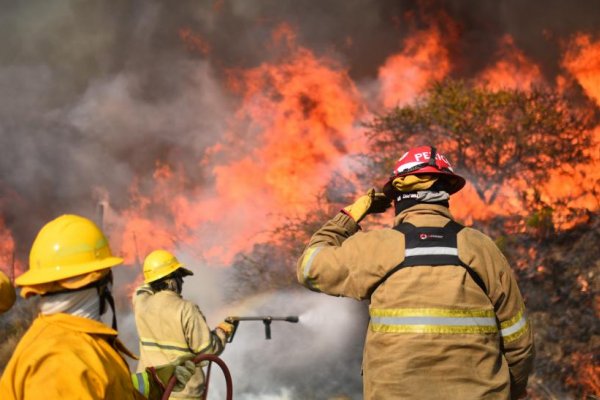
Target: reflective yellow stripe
[
  {"x": 141, "y": 383},
  {"x": 433, "y": 312},
  {"x": 515, "y": 327},
  {"x": 164, "y": 346},
  {"x": 181, "y": 345},
  {"x": 202, "y": 347},
  {"x": 433, "y": 329},
  {"x": 433, "y": 320},
  {"x": 307, "y": 261}
]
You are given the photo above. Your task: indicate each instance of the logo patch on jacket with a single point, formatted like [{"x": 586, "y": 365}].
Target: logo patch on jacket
[{"x": 430, "y": 236}]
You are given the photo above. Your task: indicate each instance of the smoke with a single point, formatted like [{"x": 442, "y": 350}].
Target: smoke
[{"x": 319, "y": 357}]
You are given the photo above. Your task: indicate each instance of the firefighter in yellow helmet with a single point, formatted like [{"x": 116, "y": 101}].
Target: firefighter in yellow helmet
[
  {"x": 68, "y": 352},
  {"x": 7, "y": 293},
  {"x": 169, "y": 326},
  {"x": 447, "y": 319}
]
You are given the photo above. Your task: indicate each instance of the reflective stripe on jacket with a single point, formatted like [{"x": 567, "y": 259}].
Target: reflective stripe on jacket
[
  {"x": 62, "y": 356},
  {"x": 169, "y": 327},
  {"x": 434, "y": 332}
]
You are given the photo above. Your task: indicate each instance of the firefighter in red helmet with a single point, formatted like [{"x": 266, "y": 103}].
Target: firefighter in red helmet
[{"x": 447, "y": 319}]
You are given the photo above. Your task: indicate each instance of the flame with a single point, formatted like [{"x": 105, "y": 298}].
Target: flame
[
  {"x": 194, "y": 42},
  {"x": 294, "y": 126},
  {"x": 8, "y": 263},
  {"x": 405, "y": 75},
  {"x": 512, "y": 70},
  {"x": 582, "y": 60},
  {"x": 587, "y": 374}
]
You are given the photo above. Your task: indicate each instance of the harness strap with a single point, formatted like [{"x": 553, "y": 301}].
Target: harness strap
[{"x": 431, "y": 246}]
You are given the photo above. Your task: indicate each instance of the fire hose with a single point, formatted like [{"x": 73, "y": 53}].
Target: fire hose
[
  {"x": 197, "y": 360},
  {"x": 266, "y": 320}
]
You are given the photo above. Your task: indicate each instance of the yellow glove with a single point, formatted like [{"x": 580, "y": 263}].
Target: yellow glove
[
  {"x": 227, "y": 328},
  {"x": 370, "y": 203}
]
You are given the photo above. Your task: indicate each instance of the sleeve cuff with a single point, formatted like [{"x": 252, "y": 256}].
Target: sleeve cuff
[{"x": 347, "y": 222}]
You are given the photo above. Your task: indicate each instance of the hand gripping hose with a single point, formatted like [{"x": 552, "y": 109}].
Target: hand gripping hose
[{"x": 197, "y": 360}]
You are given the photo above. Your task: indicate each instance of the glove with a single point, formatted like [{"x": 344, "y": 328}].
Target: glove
[
  {"x": 227, "y": 328},
  {"x": 183, "y": 368},
  {"x": 183, "y": 373},
  {"x": 370, "y": 203}
]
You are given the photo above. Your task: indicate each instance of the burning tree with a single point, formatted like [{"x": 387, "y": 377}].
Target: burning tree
[{"x": 493, "y": 137}]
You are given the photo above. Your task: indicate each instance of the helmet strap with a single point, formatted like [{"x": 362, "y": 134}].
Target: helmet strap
[
  {"x": 432, "y": 158},
  {"x": 103, "y": 288}
]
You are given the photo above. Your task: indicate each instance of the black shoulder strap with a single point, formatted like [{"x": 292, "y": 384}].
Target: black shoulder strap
[{"x": 431, "y": 246}]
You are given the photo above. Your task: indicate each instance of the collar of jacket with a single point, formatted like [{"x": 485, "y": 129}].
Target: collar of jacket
[
  {"x": 167, "y": 292},
  {"x": 86, "y": 325},
  {"x": 422, "y": 210},
  {"x": 79, "y": 324}
]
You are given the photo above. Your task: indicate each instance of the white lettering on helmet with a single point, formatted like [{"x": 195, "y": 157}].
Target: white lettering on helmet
[{"x": 424, "y": 155}]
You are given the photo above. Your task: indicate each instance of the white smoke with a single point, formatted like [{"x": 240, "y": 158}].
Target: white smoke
[{"x": 319, "y": 357}]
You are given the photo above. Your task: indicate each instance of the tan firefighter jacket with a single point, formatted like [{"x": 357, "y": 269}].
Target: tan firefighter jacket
[
  {"x": 170, "y": 327},
  {"x": 434, "y": 333}
]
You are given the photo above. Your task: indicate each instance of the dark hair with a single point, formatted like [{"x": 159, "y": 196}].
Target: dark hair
[{"x": 168, "y": 282}]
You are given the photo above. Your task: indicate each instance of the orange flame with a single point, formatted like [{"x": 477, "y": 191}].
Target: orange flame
[
  {"x": 294, "y": 126},
  {"x": 8, "y": 263},
  {"x": 587, "y": 374},
  {"x": 512, "y": 70},
  {"x": 193, "y": 41},
  {"x": 582, "y": 60},
  {"x": 404, "y": 76}
]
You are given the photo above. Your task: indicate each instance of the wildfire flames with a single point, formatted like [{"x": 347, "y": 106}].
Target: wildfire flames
[{"x": 296, "y": 122}]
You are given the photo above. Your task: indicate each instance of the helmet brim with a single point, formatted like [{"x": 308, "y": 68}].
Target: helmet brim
[
  {"x": 454, "y": 182},
  {"x": 47, "y": 275}
]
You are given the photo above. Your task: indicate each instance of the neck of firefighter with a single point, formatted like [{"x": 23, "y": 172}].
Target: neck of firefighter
[
  {"x": 175, "y": 284},
  {"x": 405, "y": 200},
  {"x": 81, "y": 303}
]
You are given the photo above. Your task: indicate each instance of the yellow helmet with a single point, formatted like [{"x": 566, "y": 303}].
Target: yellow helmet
[
  {"x": 161, "y": 263},
  {"x": 67, "y": 247},
  {"x": 7, "y": 293}
]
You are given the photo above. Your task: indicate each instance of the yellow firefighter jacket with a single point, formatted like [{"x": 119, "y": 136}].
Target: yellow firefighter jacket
[
  {"x": 63, "y": 356},
  {"x": 170, "y": 327},
  {"x": 434, "y": 333}
]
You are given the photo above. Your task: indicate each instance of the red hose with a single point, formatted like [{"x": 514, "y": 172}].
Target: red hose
[{"x": 197, "y": 360}]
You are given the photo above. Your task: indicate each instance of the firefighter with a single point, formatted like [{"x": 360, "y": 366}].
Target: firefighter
[
  {"x": 170, "y": 326},
  {"x": 68, "y": 352},
  {"x": 447, "y": 319},
  {"x": 7, "y": 293}
]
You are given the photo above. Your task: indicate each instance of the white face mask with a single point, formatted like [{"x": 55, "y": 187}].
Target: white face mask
[{"x": 82, "y": 303}]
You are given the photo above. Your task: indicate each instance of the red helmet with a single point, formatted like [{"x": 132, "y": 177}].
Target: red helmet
[{"x": 425, "y": 160}]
